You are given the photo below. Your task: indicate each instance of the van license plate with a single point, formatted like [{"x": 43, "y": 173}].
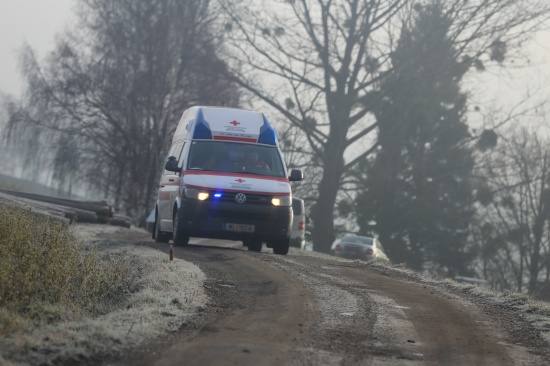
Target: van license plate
[{"x": 240, "y": 228}]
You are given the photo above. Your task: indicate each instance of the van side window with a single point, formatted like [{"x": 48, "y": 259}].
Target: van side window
[{"x": 175, "y": 150}]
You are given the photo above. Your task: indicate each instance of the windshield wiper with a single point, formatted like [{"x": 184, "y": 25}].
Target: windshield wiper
[
  {"x": 254, "y": 173},
  {"x": 202, "y": 169}
]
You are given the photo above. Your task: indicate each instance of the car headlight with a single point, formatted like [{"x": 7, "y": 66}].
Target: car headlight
[
  {"x": 195, "y": 194},
  {"x": 281, "y": 201}
]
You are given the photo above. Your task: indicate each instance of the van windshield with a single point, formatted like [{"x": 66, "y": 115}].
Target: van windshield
[{"x": 235, "y": 158}]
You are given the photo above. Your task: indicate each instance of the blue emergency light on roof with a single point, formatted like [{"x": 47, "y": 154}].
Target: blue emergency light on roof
[
  {"x": 202, "y": 128},
  {"x": 267, "y": 134}
]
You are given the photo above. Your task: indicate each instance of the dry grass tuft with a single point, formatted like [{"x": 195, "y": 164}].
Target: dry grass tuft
[{"x": 47, "y": 275}]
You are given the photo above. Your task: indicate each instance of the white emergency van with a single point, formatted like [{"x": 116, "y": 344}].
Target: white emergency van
[{"x": 225, "y": 178}]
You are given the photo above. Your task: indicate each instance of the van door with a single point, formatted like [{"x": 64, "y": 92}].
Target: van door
[{"x": 168, "y": 189}]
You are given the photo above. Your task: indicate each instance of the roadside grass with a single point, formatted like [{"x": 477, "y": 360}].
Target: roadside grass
[
  {"x": 9, "y": 187},
  {"x": 122, "y": 293},
  {"x": 47, "y": 275}
]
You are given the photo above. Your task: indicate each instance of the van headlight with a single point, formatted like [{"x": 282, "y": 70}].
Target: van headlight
[
  {"x": 281, "y": 200},
  {"x": 195, "y": 194}
]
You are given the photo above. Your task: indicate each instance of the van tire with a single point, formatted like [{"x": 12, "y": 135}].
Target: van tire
[
  {"x": 254, "y": 245},
  {"x": 281, "y": 247},
  {"x": 160, "y": 236},
  {"x": 180, "y": 238}
]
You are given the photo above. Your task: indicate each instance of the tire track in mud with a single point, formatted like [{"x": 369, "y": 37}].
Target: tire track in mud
[
  {"x": 256, "y": 315},
  {"x": 300, "y": 310},
  {"x": 355, "y": 320},
  {"x": 398, "y": 321}
]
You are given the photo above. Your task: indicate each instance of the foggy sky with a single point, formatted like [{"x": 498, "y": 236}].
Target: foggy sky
[
  {"x": 33, "y": 21},
  {"x": 37, "y": 21}
]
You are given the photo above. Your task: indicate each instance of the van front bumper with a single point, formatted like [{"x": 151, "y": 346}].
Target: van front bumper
[{"x": 209, "y": 219}]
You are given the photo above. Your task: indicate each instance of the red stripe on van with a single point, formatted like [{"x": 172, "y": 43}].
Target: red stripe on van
[
  {"x": 229, "y": 138},
  {"x": 239, "y": 175},
  {"x": 239, "y": 190}
]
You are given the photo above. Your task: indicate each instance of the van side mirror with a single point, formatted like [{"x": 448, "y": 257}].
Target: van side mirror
[
  {"x": 172, "y": 165},
  {"x": 296, "y": 175}
]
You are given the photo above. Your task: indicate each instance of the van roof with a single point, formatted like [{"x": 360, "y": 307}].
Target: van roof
[{"x": 227, "y": 124}]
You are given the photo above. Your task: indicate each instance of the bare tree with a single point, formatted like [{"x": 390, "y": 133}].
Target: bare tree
[
  {"x": 318, "y": 64},
  {"x": 114, "y": 89},
  {"x": 514, "y": 225}
]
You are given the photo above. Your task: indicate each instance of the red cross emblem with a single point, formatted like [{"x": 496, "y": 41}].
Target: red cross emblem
[
  {"x": 234, "y": 123},
  {"x": 240, "y": 180}
]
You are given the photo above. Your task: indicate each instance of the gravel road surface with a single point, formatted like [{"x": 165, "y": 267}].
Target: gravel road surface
[{"x": 265, "y": 309}]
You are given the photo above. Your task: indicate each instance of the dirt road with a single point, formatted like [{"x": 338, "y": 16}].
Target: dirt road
[{"x": 299, "y": 310}]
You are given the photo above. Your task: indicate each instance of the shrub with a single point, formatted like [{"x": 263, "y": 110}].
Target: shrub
[{"x": 47, "y": 274}]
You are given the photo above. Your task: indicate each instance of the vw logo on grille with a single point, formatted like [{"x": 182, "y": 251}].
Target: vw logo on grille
[{"x": 240, "y": 198}]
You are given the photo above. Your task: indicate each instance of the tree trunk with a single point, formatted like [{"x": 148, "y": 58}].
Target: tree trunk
[
  {"x": 534, "y": 262},
  {"x": 323, "y": 213}
]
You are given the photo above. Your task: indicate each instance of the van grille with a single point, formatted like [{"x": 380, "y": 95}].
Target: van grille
[{"x": 258, "y": 199}]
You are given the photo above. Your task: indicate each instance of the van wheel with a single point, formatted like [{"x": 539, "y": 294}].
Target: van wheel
[
  {"x": 160, "y": 236},
  {"x": 180, "y": 238},
  {"x": 254, "y": 245},
  {"x": 281, "y": 247}
]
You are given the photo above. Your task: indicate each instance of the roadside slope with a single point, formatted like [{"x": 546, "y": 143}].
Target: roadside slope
[{"x": 164, "y": 295}]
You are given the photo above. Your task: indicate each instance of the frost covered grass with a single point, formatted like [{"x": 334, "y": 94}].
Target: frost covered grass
[
  {"x": 47, "y": 275},
  {"x": 155, "y": 296}
]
